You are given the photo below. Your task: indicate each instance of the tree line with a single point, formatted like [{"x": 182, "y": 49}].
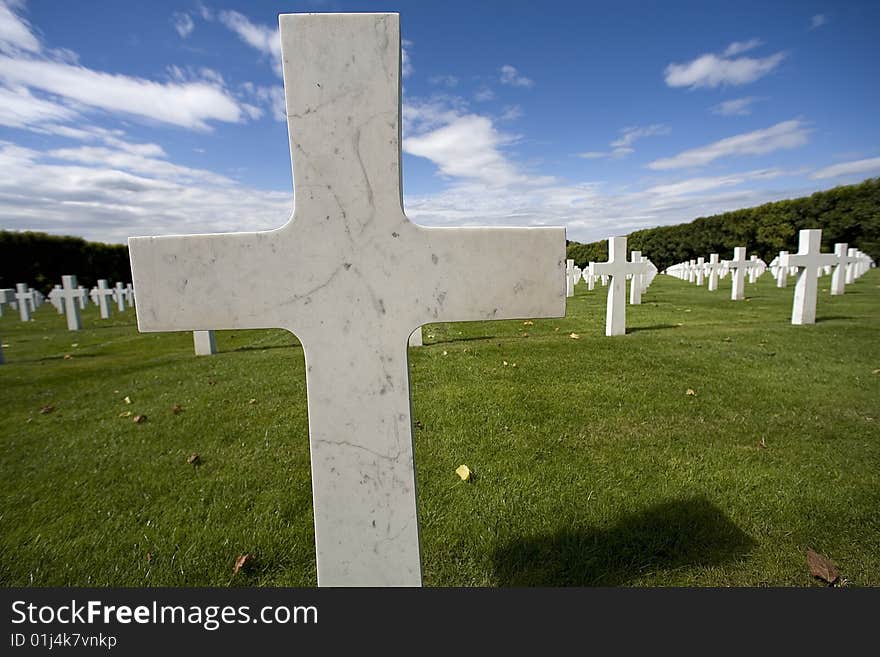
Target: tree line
[
  {"x": 40, "y": 260},
  {"x": 849, "y": 213}
]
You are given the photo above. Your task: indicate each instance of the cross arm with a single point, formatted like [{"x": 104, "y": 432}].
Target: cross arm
[
  {"x": 492, "y": 273},
  {"x": 203, "y": 282}
]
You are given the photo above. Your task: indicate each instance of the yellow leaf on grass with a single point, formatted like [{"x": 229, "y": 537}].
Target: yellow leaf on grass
[
  {"x": 574, "y": 336},
  {"x": 528, "y": 322},
  {"x": 464, "y": 472},
  {"x": 127, "y": 400},
  {"x": 691, "y": 392}
]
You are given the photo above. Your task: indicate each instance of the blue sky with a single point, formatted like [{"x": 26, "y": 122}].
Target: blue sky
[{"x": 121, "y": 119}]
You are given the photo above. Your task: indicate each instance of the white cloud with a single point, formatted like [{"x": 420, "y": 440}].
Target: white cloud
[
  {"x": 183, "y": 23},
  {"x": 739, "y": 47},
  {"x": 406, "y": 67},
  {"x": 710, "y": 70},
  {"x": 19, "y": 108},
  {"x": 622, "y": 146},
  {"x": 263, "y": 38},
  {"x": 106, "y": 203},
  {"x": 190, "y": 105},
  {"x": 511, "y": 113},
  {"x": 25, "y": 66},
  {"x": 818, "y": 21},
  {"x": 138, "y": 163},
  {"x": 857, "y": 167},
  {"x": 15, "y": 32},
  {"x": 784, "y": 135},
  {"x": 466, "y": 147},
  {"x": 510, "y": 76},
  {"x": 735, "y": 107},
  {"x": 702, "y": 184},
  {"x": 484, "y": 94},
  {"x": 449, "y": 81}
]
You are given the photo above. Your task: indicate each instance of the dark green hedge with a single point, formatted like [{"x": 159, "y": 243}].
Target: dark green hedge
[
  {"x": 40, "y": 260},
  {"x": 848, "y": 214}
]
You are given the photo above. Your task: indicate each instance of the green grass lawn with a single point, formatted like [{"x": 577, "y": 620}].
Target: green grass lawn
[{"x": 592, "y": 464}]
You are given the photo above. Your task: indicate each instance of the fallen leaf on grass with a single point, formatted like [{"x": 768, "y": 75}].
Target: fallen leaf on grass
[
  {"x": 149, "y": 557},
  {"x": 877, "y": 371},
  {"x": 691, "y": 392},
  {"x": 75, "y": 345},
  {"x": 68, "y": 357},
  {"x": 139, "y": 419},
  {"x": 445, "y": 353},
  {"x": 48, "y": 408},
  {"x": 252, "y": 401},
  {"x": 125, "y": 414},
  {"x": 513, "y": 364},
  {"x": 574, "y": 336},
  {"x": 528, "y": 322},
  {"x": 193, "y": 459},
  {"x": 504, "y": 362},
  {"x": 762, "y": 444},
  {"x": 821, "y": 567},
  {"x": 177, "y": 409},
  {"x": 241, "y": 562},
  {"x": 556, "y": 329},
  {"x": 127, "y": 400},
  {"x": 464, "y": 472},
  {"x": 418, "y": 424},
  {"x": 524, "y": 335}
]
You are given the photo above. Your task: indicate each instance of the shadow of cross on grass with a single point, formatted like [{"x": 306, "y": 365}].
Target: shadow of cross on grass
[{"x": 676, "y": 534}]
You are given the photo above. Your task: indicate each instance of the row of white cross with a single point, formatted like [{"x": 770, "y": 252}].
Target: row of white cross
[
  {"x": 68, "y": 299},
  {"x": 845, "y": 265}
]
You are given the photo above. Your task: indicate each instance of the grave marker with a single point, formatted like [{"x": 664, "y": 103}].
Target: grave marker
[
  {"x": 25, "y": 299},
  {"x": 808, "y": 259},
  {"x": 101, "y": 296},
  {"x": 617, "y": 267},
  {"x": 69, "y": 297},
  {"x": 205, "y": 343},
  {"x": 352, "y": 277}
]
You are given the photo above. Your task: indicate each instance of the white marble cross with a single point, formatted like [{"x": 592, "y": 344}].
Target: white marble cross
[
  {"x": 56, "y": 299},
  {"x": 83, "y": 297},
  {"x": 714, "y": 268},
  {"x": 570, "y": 279},
  {"x": 700, "y": 270},
  {"x": 7, "y": 297},
  {"x": 809, "y": 259},
  {"x": 70, "y": 296},
  {"x": 781, "y": 272},
  {"x": 352, "y": 278},
  {"x": 635, "y": 283},
  {"x": 617, "y": 267},
  {"x": 738, "y": 267},
  {"x": 205, "y": 343},
  {"x": 129, "y": 295},
  {"x": 119, "y": 296},
  {"x": 838, "y": 278},
  {"x": 26, "y": 299},
  {"x": 102, "y": 296},
  {"x": 753, "y": 269},
  {"x": 851, "y": 267}
]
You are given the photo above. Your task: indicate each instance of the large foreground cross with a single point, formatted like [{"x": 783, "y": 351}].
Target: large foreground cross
[{"x": 352, "y": 278}]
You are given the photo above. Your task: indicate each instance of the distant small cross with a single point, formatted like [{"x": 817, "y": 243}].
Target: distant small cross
[
  {"x": 738, "y": 267},
  {"x": 617, "y": 267},
  {"x": 70, "y": 296},
  {"x": 808, "y": 259}
]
